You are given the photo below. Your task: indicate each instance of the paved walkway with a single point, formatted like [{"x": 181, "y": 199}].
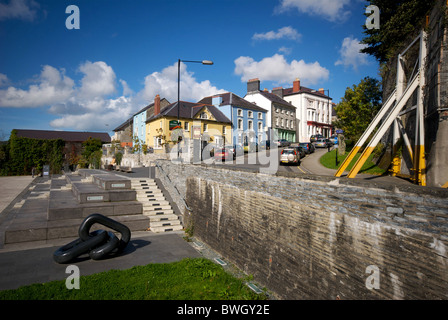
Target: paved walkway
[{"x": 10, "y": 189}]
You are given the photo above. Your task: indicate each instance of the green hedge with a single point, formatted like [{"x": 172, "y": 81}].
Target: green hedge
[{"x": 20, "y": 155}]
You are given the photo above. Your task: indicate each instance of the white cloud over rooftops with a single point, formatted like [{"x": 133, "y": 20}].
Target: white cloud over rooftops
[{"x": 278, "y": 70}]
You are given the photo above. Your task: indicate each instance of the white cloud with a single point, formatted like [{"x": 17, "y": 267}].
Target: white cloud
[
  {"x": 54, "y": 87},
  {"x": 332, "y": 10},
  {"x": 277, "y": 69},
  {"x": 98, "y": 80},
  {"x": 19, "y": 9},
  {"x": 350, "y": 55},
  {"x": 87, "y": 107},
  {"x": 164, "y": 83},
  {"x": 97, "y": 114},
  {"x": 282, "y": 33},
  {"x": 285, "y": 50},
  {"x": 126, "y": 89}
]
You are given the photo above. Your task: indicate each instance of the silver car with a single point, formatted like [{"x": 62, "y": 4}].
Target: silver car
[{"x": 289, "y": 155}]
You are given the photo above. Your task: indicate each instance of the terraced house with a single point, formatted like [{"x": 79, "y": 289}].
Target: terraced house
[
  {"x": 280, "y": 116},
  {"x": 139, "y": 119},
  {"x": 196, "y": 121},
  {"x": 248, "y": 119}
]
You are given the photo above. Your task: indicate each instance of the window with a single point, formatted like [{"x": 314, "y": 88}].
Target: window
[
  {"x": 292, "y": 124},
  {"x": 186, "y": 126},
  {"x": 250, "y": 125},
  {"x": 240, "y": 124},
  {"x": 157, "y": 143},
  {"x": 250, "y": 114},
  {"x": 205, "y": 127},
  {"x": 277, "y": 110},
  {"x": 223, "y": 129},
  {"x": 260, "y": 126},
  {"x": 276, "y": 121},
  {"x": 204, "y": 115},
  {"x": 260, "y": 116},
  {"x": 240, "y": 113}
]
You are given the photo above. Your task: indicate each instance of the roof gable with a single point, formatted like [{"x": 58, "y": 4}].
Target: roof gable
[{"x": 232, "y": 99}]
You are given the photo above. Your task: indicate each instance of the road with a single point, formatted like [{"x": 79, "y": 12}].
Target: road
[
  {"x": 263, "y": 159},
  {"x": 269, "y": 159}
]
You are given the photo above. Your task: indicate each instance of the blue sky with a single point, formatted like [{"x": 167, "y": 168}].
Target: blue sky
[{"x": 125, "y": 52}]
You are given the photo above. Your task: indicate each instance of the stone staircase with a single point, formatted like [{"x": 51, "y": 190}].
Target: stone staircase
[{"x": 161, "y": 215}]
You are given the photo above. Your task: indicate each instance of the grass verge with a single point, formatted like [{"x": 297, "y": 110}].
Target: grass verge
[
  {"x": 188, "y": 279},
  {"x": 328, "y": 160}
]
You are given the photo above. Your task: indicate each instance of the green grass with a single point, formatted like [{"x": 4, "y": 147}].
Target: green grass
[
  {"x": 188, "y": 279},
  {"x": 328, "y": 160}
]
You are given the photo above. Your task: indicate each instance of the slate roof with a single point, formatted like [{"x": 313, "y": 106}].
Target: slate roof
[
  {"x": 188, "y": 110},
  {"x": 275, "y": 98},
  {"x": 149, "y": 112},
  {"x": 68, "y": 136},
  {"x": 288, "y": 91},
  {"x": 124, "y": 124},
  {"x": 230, "y": 98}
]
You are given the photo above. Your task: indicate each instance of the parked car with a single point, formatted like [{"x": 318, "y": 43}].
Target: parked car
[
  {"x": 223, "y": 154},
  {"x": 251, "y": 147},
  {"x": 300, "y": 151},
  {"x": 265, "y": 145},
  {"x": 316, "y": 137},
  {"x": 334, "y": 139},
  {"x": 308, "y": 147},
  {"x": 323, "y": 143},
  {"x": 282, "y": 143},
  {"x": 236, "y": 149},
  {"x": 289, "y": 155}
]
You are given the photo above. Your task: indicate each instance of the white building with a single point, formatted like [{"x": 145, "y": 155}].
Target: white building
[
  {"x": 314, "y": 110},
  {"x": 280, "y": 115}
]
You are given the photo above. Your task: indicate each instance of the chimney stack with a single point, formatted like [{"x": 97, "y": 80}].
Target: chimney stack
[
  {"x": 278, "y": 92},
  {"x": 296, "y": 85},
  {"x": 253, "y": 85},
  {"x": 321, "y": 90},
  {"x": 157, "y": 105}
]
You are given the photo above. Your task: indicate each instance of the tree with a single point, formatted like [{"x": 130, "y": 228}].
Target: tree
[
  {"x": 399, "y": 20},
  {"x": 358, "y": 107},
  {"x": 90, "y": 153}
]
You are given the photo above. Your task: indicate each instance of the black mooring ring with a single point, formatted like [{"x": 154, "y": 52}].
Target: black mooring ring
[
  {"x": 78, "y": 247},
  {"x": 85, "y": 226}
]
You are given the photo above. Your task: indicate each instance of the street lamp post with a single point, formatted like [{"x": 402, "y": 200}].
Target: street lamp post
[{"x": 205, "y": 62}]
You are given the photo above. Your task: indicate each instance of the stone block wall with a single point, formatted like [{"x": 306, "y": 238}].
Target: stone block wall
[{"x": 314, "y": 237}]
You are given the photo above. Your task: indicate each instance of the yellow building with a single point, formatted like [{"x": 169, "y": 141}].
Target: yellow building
[{"x": 197, "y": 121}]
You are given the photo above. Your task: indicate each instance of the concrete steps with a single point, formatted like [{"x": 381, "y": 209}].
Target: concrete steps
[
  {"x": 56, "y": 207},
  {"x": 155, "y": 206}
]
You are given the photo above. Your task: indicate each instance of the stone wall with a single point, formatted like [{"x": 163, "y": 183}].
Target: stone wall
[{"x": 314, "y": 237}]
